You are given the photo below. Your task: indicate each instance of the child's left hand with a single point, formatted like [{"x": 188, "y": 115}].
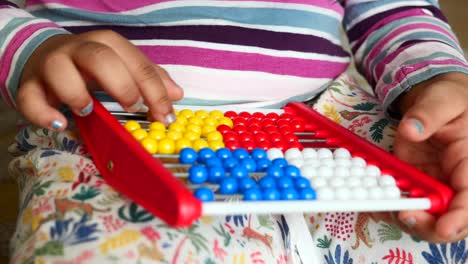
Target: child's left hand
[{"x": 433, "y": 137}]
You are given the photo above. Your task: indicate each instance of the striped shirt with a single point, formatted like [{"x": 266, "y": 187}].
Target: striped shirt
[{"x": 250, "y": 53}]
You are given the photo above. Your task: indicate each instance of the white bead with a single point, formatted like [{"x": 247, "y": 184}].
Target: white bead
[
  {"x": 325, "y": 171},
  {"x": 369, "y": 181},
  {"x": 341, "y": 153},
  {"x": 308, "y": 153},
  {"x": 372, "y": 170},
  {"x": 343, "y": 193},
  {"x": 353, "y": 181},
  {"x": 312, "y": 162},
  {"x": 328, "y": 162},
  {"x": 299, "y": 162},
  {"x": 309, "y": 171},
  {"x": 391, "y": 192},
  {"x": 376, "y": 193},
  {"x": 274, "y": 153},
  {"x": 318, "y": 182},
  {"x": 358, "y": 162},
  {"x": 357, "y": 171},
  {"x": 343, "y": 162},
  {"x": 324, "y": 153},
  {"x": 387, "y": 180},
  {"x": 360, "y": 193},
  {"x": 325, "y": 193},
  {"x": 336, "y": 182},
  {"x": 340, "y": 171},
  {"x": 293, "y": 153}
]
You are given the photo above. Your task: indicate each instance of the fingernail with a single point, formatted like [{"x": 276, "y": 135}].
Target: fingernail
[
  {"x": 418, "y": 125},
  {"x": 137, "y": 106},
  {"x": 56, "y": 125},
  {"x": 170, "y": 118},
  {"x": 87, "y": 110},
  {"x": 410, "y": 222}
]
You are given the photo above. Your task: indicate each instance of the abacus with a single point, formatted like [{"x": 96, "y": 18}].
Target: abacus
[{"x": 263, "y": 161}]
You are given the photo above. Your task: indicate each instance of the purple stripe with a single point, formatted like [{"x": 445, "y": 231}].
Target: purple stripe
[
  {"x": 8, "y": 3},
  {"x": 361, "y": 28},
  {"x": 226, "y": 35}
]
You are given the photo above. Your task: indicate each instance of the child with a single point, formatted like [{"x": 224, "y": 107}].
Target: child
[{"x": 255, "y": 53}]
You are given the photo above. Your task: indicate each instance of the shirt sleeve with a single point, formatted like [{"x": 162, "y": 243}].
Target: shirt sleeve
[
  {"x": 400, "y": 43},
  {"x": 20, "y": 35}
]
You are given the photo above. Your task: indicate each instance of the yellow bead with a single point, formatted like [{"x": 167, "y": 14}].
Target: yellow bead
[
  {"x": 157, "y": 126},
  {"x": 217, "y": 114},
  {"x": 225, "y": 121},
  {"x": 199, "y": 144},
  {"x": 150, "y": 144},
  {"x": 132, "y": 125},
  {"x": 202, "y": 114},
  {"x": 181, "y": 144},
  {"x": 166, "y": 146},
  {"x": 187, "y": 113},
  {"x": 210, "y": 121},
  {"x": 207, "y": 129},
  {"x": 216, "y": 144},
  {"x": 181, "y": 120},
  {"x": 190, "y": 135},
  {"x": 195, "y": 120},
  {"x": 177, "y": 127},
  {"x": 157, "y": 134},
  {"x": 214, "y": 136},
  {"x": 173, "y": 134},
  {"x": 139, "y": 134},
  {"x": 193, "y": 128}
]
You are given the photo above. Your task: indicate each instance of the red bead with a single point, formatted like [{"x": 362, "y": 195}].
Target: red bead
[
  {"x": 232, "y": 145},
  {"x": 290, "y": 137},
  {"x": 261, "y": 136},
  {"x": 295, "y": 144},
  {"x": 254, "y": 129},
  {"x": 265, "y": 145},
  {"x": 230, "y": 136},
  {"x": 275, "y": 137},
  {"x": 298, "y": 125},
  {"x": 245, "y": 114},
  {"x": 239, "y": 120},
  {"x": 254, "y": 121},
  {"x": 286, "y": 129},
  {"x": 258, "y": 115},
  {"x": 223, "y": 129},
  {"x": 249, "y": 145},
  {"x": 279, "y": 144},
  {"x": 268, "y": 122},
  {"x": 286, "y": 116},
  {"x": 270, "y": 129},
  {"x": 282, "y": 122},
  {"x": 246, "y": 136},
  {"x": 273, "y": 116},
  {"x": 239, "y": 128},
  {"x": 230, "y": 114}
]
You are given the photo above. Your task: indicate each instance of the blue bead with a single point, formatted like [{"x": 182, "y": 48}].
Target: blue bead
[
  {"x": 216, "y": 174},
  {"x": 188, "y": 156},
  {"x": 198, "y": 174},
  {"x": 263, "y": 164},
  {"x": 253, "y": 194},
  {"x": 289, "y": 194},
  {"x": 301, "y": 182},
  {"x": 239, "y": 172},
  {"x": 229, "y": 163},
  {"x": 292, "y": 171},
  {"x": 308, "y": 194},
  {"x": 240, "y": 153},
  {"x": 275, "y": 171},
  {"x": 280, "y": 162},
  {"x": 249, "y": 164},
  {"x": 223, "y": 153},
  {"x": 285, "y": 182},
  {"x": 271, "y": 194},
  {"x": 205, "y": 154},
  {"x": 228, "y": 185},
  {"x": 204, "y": 194},
  {"x": 267, "y": 182},
  {"x": 258, "y": 153},
  {"x": 247, "y": 183},
  {"x": 213, "y": 162}
]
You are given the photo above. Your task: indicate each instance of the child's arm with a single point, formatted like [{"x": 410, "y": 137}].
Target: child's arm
[
  {"x": 408, "y": 52},
  {"x": 43, "y": 66}
]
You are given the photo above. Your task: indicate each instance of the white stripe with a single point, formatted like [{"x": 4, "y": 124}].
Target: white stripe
[
  {"x": 239, "y": 48},
  {"x": 13, "y": 33}
]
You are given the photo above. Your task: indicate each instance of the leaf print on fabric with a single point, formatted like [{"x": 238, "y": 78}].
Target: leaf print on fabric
[
  {"x": 134, "y": 213},
  {"x": 457, "y": 253},
  {"x": 237, "y": 219},
  {"x": 265, "y": 221},
  {"x": 332, "y": 114},
  {"x": 198, "y": 241},
  {"x": 399, "y": 256},
  {"x": 49, "y": 153},
  {"x": 222, "y": 232},
  {"x": 70, "y": 233},
  {"x": 86, "y": 193},
  {"x": 324, "y": 243},
  {"x": 367, "y": 106},
  {"x": 377, "y": 129},
  {"x": 337, "y": 257},
  {"x": 388, "y": 232}
]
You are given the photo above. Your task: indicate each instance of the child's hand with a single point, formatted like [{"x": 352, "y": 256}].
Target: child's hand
[
  {"x": 433, "y": 136},
  {"x": 61, "y": 69}
]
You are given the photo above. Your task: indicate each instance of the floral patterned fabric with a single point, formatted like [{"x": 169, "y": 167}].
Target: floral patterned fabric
[{"x": 68, "y": 214}]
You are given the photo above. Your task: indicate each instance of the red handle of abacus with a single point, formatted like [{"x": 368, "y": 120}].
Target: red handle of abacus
[{"x": 131, "y": 170}]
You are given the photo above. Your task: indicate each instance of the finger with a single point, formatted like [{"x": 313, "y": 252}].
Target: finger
[
  {"x": 456, "y": 164},
  {"x": 105, "y": 66},
  {"x": 453, "y": 224},
  {"x": 420, "y": 223},
  {"x": 33, "y": 104},
  {"x": 75, "y": 95},
  {"x": 174, "y": 91},
  {"x": 423, "y": 119}
]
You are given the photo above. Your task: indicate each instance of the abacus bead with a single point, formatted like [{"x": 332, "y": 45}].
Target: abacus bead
[
  {"x": 231, "y": 145},
  {"x": 267, "y": 182},
  {"x": 286, "y": 129},
  {"x": 249, "y": 164},
  {"x": 340, "y": 171},
  {"x": 258, "y": 153},
  {"x": 204, "y": 194},
  {"x": 246, "y": 183},
  {"x": 239, "y": 128},
  {"x": 307, "y": 194},
  {"x": 245, "y": 114},
  {"x": 325, "y": 171},
  {"x": 271, "y": 194},
  {"x": 230, "y": 136},
  {"x": 375, "y": 193},
  {"x": 177, "y": 127},
  {"x": 324, "y": 153},
  {"x": 373, "y": 171},
  {"x": 223, "y": 153},
  {"x": 263, "y": 164},
  {"x": 292, "y": 171},
  {"x": 325, "y": 193},
  {"x": 254, "y": 129},
  {"x": 343, "y": 193},
  {"x": 265, "y": 145},
  {"x": 353, "y": 181},
  {"x": 285, "y": 182},
  {"x": 387, "y": 180},
  {"x": 296, "y": 162},
  {"x": 213, "y": 162},
  {"x": 198, "y": 174},
  {"x": 391, "y": 192},
  {"x": 280, "y": 162},
  {"x": 150, "y": 144},
  {"x": 157, "y": 134},
  {"x": 341, "y": 153},
  {"x": 290, "y": 138},
  {"x": 205, "y": 154},
  {"x": 230, "y": 114},
  {"x": 228, "y": 185},
  {"x": 261, "y": 136},
  {"x": 223, "y": 128},
  {"x": 318, "y": 182},
  {"x": 276, "y": 137},
  {"x": 187, "y": 156},
  {"x": 166, "y": 146},
  {"x": 139, "y": 134},
  {"x": 298, "y": 125},
  {"x": 312, "y": 163},
  {"x": 295, "y": 144},
  {"x": 230, "y": 163},
  {"x": 309, "y": 171},
  {"x": 239, "y": 120},
  {"x": 215, "y": 144},
  {"x": 357, "y": 171},
  {"x": 275, "y": 171},
  {"x": 253, "y": 194},
  {"x": 225, "y": 121},
  {"x": 358, "y": 162},
  {"x": 279, "y": 145},
  {"x": 201, "y": 113},
  {"x": 309, "y": 153},
  {"x": 195, "y": 120},
  {"x": 343, "y": 162},
  {"x": 207, "y": 129},
  {"x": 289, "y": 194},
  {"x": 336, "y": 182},
  {"x": 173, "y": 134},
  {"x": 199, "y": 144},
  {"x": 214, "y": 135},
  {"x": 282, "y": 122},
  {"x": 274, "y": 153},
  {"x": 301, "y": 183},
  {"x": 187, "y": 113},
  {"x": 248, "y": 145},
  {"x": 132, "y": 125},
  {"x": 216, "y": 174},
  {"x": 273, "y": 116},
  {"x": 369, "y": 181},
  {"x": 238, "y": 172},
  {"x": 193, "y": 128},
  {"x": 293, "y": 153},
  {"x": 181, "y": 144},
  {"x": 157, "y": 126},
  {"x": 328, "y": 162},
  {"x": 359, "y": 193},
  {"x": 240, "y": 154},
  {"x": 258, "y": 115},
  {"x": 210, "y": 121},
  {"x": 216, "y": 114}
]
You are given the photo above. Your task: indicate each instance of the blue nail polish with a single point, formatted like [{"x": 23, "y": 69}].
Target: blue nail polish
[
  {"x": 418, "y": 126},
  {"x": 170, "y": 118},
  {"x": 57, "y": 125},
  {"x": 137, "y": 106},
  {"x": 87, "y": 110}
]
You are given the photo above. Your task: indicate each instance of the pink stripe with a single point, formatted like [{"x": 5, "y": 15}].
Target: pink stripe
[
  {"x": 407, "y": 70},
  {"x": 12, "y": 48},
  {"x": 379, "y": 69},
  {"x": 126, "y": 5},
  {"x": 228, "y": 60},
  {"x": 377, "y": 49}
]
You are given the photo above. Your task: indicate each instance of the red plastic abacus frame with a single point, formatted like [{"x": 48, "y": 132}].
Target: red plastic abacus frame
[{"x": 131, "y": 170}]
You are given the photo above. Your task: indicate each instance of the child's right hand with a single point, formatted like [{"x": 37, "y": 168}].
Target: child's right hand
[{"x": 60, "y": 70}]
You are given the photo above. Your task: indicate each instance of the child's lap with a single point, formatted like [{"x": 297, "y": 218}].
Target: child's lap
[{"x": 68, "y": 213}]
